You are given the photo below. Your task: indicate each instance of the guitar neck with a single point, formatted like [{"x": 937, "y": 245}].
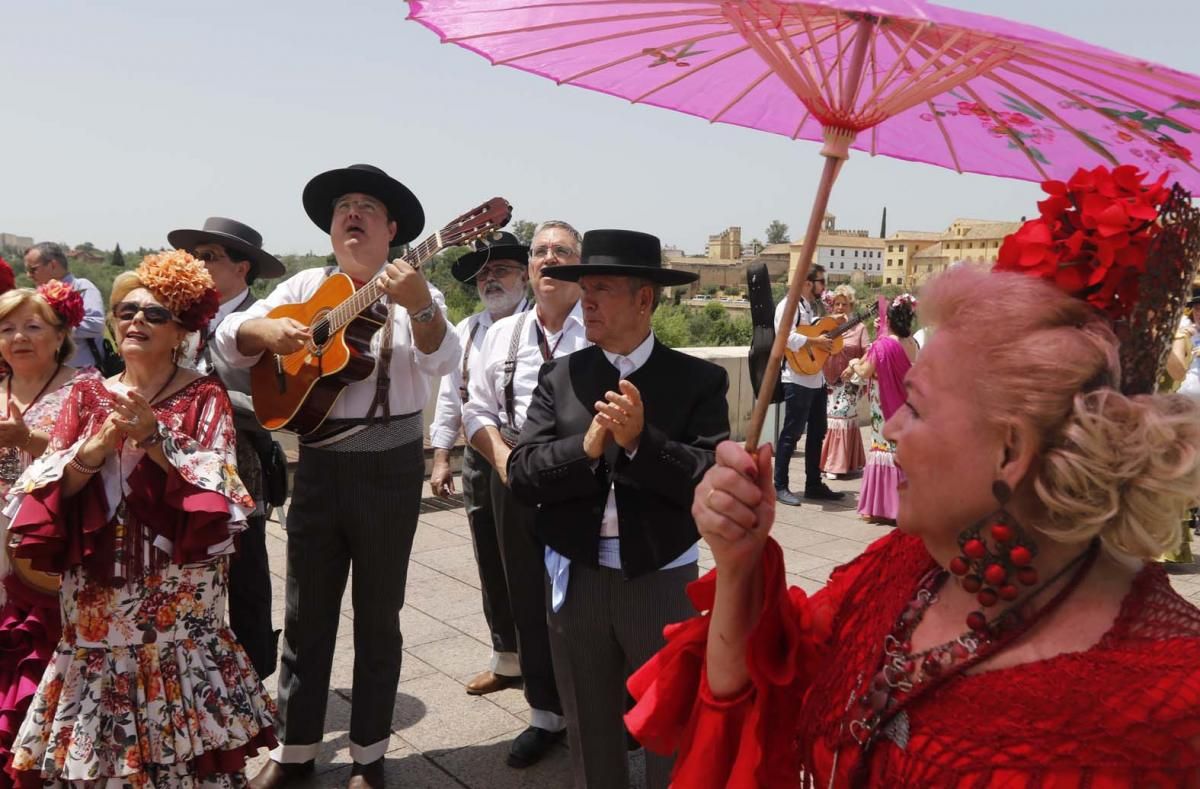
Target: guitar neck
[
  {"x": 847, "y": 326},
  {"x": 372, "y": 292}
]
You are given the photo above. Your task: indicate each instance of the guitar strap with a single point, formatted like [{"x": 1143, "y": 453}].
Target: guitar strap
[
  {"x": 383, "y": 369},
  {"x": 462, "y": 388}
]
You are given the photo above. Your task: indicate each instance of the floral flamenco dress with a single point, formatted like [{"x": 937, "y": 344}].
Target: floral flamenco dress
[
  {"x": 148, "y": 686},
  {"x": 1123, "y": 713},
  {"x": 30, "y": 623}
]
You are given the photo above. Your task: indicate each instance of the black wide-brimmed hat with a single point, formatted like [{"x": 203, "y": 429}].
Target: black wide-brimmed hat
[
  {"x": 622, "y": 253},
  {"x": 500, "y": 245},
  {"x": 235, "y": 237},
  {"x": 1195, "y": 297},
  {"x": 402, "y": 205}
]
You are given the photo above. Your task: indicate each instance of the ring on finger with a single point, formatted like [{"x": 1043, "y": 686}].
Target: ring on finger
[{"x": 708, "y": 499}]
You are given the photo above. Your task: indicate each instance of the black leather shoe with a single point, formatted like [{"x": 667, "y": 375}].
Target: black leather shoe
[
  {"x": 531, "y": 745},
  {"x": 823, "y": 493},
  {"x": 367, "y": 776},
  {"x": 275, "y": 775}
]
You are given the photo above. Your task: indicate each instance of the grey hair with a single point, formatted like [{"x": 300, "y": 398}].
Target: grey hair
[
  {"x": 637, "y": 283},
  {"x": 48, "y": 250},
  {"x": 551, "y": 224}
]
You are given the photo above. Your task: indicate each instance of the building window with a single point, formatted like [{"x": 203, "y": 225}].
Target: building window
[
  {"x": 901, "y": 248},
  {"x": 856, "y": 253},
  {"x": 890, "y": 248},
  {"x": 887, "y": 281}
]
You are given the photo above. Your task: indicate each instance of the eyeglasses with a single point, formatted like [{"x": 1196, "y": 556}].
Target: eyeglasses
[
  {"x": 497, "y": 272},
  {"x": 365, "y": 207},
  {"x": 151, "y": 313},
  {"x": 818, "y": 282},
  {"x": 558, "y": 250}
]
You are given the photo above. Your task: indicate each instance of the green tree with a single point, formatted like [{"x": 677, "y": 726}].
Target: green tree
[
  {"x": 777, "y": 232},
  {"x": 523, "y": 230},
  {"x": 118, "y": 258}
]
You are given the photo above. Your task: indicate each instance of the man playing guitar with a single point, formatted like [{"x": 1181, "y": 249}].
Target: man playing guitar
[{"x": 358, "y": 484}]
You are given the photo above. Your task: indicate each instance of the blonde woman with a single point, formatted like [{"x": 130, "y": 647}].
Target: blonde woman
[
  {"x": 1014, "y": 631},
  {"x": 35, "y": 344},
  {"x": 137, "y": 504},
  {"x": 843, "y": 453}
]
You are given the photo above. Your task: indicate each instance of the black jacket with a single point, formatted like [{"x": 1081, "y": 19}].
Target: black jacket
[{"x": 686, "y": 417}]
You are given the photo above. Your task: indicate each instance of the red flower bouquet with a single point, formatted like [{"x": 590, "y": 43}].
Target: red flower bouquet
[
  {"x": 64, "y": 300},
  {"x": 1093, "y": 236}
]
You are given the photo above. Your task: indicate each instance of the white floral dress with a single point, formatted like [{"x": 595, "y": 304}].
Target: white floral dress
[{"x": 148, "y": 686}]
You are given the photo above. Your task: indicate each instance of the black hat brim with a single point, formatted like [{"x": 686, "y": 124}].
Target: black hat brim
[
  {"x": 403, "y": 206},
  {"x": 466, "y": 267},
  {"x": 659, "y": 276},
  {"x": 263, "y": 263}
]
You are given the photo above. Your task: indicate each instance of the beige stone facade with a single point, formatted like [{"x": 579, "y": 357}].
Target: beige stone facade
[{"x": 913, "y": 257}]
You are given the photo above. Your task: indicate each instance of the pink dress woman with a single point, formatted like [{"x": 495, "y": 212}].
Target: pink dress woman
[
  {"x": 842, "y": 452},
  {"x": 880, "y": 498},
  {"x": 30, "y": 624}
]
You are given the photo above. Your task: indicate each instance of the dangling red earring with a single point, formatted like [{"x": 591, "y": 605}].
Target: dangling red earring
[{"x": 997, "y": 558}]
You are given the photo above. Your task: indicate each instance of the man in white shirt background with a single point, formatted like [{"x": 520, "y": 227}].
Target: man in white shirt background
[
  {"x": 804, "y": 400},
  {"x": 502, "y": 379},
  {"x": 47, "y": 261},
  {"x": 498, "y": 267}
]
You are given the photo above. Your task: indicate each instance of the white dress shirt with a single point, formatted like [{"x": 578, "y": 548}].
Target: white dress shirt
[
  {"x": 805, "y": 316},
  {"x": 447, "y": 415},
  {"x": 485, "y": 406},
  {"x": 92, "y": 325},
  {"x": 410, "y": 368}
]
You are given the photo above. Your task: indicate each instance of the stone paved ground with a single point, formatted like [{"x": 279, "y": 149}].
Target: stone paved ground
[{"x": 441, "y": 737}]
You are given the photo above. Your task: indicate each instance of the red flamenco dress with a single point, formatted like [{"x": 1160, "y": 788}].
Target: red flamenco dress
[
  {"x": 1125, "y": 712},
  {"x": 148, "y": 686}
]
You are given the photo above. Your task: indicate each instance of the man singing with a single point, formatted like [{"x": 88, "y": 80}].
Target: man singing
[{"x": 358, "y": 484}]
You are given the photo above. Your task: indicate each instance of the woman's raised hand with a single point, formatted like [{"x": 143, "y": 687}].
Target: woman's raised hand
[{"x": 734, "y": 506}]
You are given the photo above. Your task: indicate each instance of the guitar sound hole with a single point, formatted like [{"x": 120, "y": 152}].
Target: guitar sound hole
[{"x": 320, "y": 334}]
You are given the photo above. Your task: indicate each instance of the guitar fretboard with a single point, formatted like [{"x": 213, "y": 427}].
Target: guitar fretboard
[{"x": 368, "y": 294}]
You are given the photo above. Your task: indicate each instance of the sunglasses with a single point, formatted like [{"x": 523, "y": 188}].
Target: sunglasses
[{"x": 151, "y": 313}]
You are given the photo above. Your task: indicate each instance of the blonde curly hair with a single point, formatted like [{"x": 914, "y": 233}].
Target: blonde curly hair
[{"x": 1125, "y": 469}]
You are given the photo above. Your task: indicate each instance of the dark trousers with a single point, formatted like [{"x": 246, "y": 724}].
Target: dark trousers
[
  {"x": 477, "y": 496},
  {"x": 525, "y": 569},
  {"x": 609, "y": 626},
  {"x": 250, "y": 597},
  {"x": 349, "y": 508},
  {"x": 803, "y": 409}
]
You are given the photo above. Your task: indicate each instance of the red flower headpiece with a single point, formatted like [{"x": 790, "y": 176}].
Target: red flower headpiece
[
  {"x": 1093, "y": 236},
  {"x": 64, "y": 300}
]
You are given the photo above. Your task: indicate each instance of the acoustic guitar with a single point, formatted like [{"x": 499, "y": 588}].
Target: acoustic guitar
[
  {"x": 296, "y": 391},
  {"x": 809, "y": 359}
]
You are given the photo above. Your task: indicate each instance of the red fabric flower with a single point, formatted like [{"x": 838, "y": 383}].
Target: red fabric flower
[
  {"x": 64, "y": 300},
  {"x": 201, "y": 311},
  {"x": 1092, "y": 237},
  {"x": 8, "y": 280}
]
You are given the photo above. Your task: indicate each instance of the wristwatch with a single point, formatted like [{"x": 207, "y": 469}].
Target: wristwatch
[
  {"x": 425, "y": 315},
  {"x": 154, "y": 439}
]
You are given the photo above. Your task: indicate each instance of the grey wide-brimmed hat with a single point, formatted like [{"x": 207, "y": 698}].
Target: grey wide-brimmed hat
[{"x": 235, "y": 237}]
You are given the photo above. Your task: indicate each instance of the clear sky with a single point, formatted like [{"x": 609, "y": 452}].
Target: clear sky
[{"x": 128, "y": 118}]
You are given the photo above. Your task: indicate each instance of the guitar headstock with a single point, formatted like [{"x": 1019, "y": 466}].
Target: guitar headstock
[{"x": 476, "y": 223}]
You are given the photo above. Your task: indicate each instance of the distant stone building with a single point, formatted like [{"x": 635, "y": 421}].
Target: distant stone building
[
  {"x": 726, "y": 245},
  {"x": 902, "y": 246},
  {"x": 975, "y": 241},
  {"x": 847, "y": 255},
  {"x": 19, "y": 244}
]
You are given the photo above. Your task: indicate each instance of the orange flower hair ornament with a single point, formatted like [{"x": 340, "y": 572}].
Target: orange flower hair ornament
[
  {"x": 183, "y": 285},
  {"x": 64, "y": 300}
]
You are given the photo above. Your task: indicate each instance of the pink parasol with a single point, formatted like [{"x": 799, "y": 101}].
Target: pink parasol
[{"x": 902, "y": 78}]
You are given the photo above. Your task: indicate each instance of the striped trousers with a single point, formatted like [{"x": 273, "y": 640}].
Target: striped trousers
[
  {"x": 349, "y": 509},
  {"x": 607, "y": 628}
]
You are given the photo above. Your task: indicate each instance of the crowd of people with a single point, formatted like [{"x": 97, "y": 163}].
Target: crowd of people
[{"x": 1032, "y": 498}]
